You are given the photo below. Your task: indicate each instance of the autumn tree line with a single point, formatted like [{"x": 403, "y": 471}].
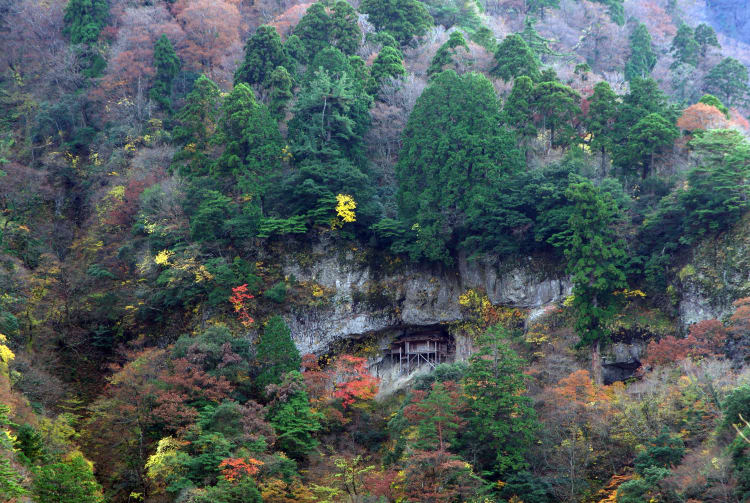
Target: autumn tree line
[{"x": 158, "y": 158}]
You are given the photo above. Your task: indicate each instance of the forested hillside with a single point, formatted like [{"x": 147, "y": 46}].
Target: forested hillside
[{"x": 378, "y": 251}]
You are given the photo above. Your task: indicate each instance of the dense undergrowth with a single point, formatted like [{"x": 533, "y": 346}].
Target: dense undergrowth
[{"x": 162, "y": 161}]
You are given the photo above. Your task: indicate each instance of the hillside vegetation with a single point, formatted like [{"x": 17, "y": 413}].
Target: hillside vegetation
[{"x": 163, "y": 162}]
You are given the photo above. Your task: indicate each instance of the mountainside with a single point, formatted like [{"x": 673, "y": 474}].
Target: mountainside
[{"x": 404, "y": 251}]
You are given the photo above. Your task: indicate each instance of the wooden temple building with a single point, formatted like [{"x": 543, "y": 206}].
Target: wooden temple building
[{"x": 412, "y": 351}]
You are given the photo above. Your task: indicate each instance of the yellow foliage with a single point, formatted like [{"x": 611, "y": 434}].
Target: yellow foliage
[
  {"x": 480, "y": 313},
  {"x": 162, "y": 258},
  {"x": 161, "y": 465},
  {"x": 630, "y": 294},
  {"x": 6, "y": 355},
  {"x": 345, "y": 206}
]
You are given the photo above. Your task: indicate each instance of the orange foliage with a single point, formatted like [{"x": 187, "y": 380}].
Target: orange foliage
[
  {"x": 659, "y": 23},
  {"x": 739, "y": 322},
  {"x": 608, "y": 493},
  {"x": 702, "y": 117},
  {"x": 131, "y": 62},
  {"x": 238, "y": 299},
  {"x": 704, "y": 339},
  {"x": 383, "y": 484},
  {"x": 317, "y": 381},
  {"x": 579, "y": 390},
  {"x": 353, "y": 382},
  {"x": 185, "y": 383},
  {"x": 288, "y": 19},
  {"x": 235, "y": 468},
  {"x": 738, "y": 120},
  {"x": 211, "y": 27}
]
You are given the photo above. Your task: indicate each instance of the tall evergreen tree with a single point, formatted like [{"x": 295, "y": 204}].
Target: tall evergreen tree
[
  {"x": 538, "y": 6},
  {"x": 404, "y": 19},
  {"x": 595, "y": 254},
  {"x": 70, "y": 481},
  {"x": 514, "y": 58},
  {"x": 651, "y": 134},
  {"x": 718, "y": 190},
  {"x": 196, "y": 123},
  {"x": 318, "y": 29},
  {"x": 84, "y": 20},
  {"x": 445, "y": 54},
  {"x": 252, "y": 144},
  {"x": 276, "y": 354},
  {"x": 706, "y": 37},
  {"x": 501, "y": 423},
  {"x": 388, "y": 63},
  {"x": 281, "y": 92},
  {"x": 729, "y": 81},
  {"x": 454, "y": 157},
  {"x": 290, "y": 415},
  {"x": 313, "y": 30},
  {"x": 556, "y": 106},
  {"x": 684, "y": 47},
  {"x": 601, "y": 118},
  {"x": 167, "y": 66},
  {"x": 642, "y": 57},
  {"x": 616, "y": 10},
  {"x": 264, "y": 52},
  {"x": 518, "y": 112},
  {"x": 345, "y": 34}
]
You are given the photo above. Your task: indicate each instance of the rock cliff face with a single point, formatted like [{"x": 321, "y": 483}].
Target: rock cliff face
[
  {"x": 365, "y": 299},
  {"x": 717, "y": 274}
]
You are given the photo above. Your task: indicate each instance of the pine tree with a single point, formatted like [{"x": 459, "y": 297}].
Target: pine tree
[
  {"x": 318, "y": 30},
  {"x": 501, "y": 420},
  {"x": 264, "y": 52},
  {"x": 518, "y": 112},
  {"x": 70, "y": 481},
  {"x": 281, "y": 92},
  {"x": 326, "y": 136},
  {"x": 403, "y": 19},
  {"x": 84, "y": 20},
  {"x": 538, "y": 6},
  {"x": 556, "y": 106},
  {"x": 167, "y": 66},
  {"x": 601, "y": 118},
  {"x": 455, "y": 156},
  {"x": 718, "y": 190},
  {"x": 650, "y": 135},
  {"x": 313, "y": 30},
  {"x": 514, "y": 58},
  {"x": 290, "y": 415},
  {"x": 706, "y": 37},
  {"x": 276, "y": 354},
  {"x": 642, "y": 56},
  {"x": 729, "y": 81},
  {"x": 252, "y": 143},
  {"x": 196, "y": 125},
  {"x": 389, "y": 63},
  {"x": 345, "y": 33},
  {"x": 595, "y": 256},
  {"x": 616, "y": 10},
  {"x": 445, "y": 54},
  {"x": 684, "y": 47}
]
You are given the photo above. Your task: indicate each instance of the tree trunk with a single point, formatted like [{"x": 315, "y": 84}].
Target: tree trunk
[{"x": 596, "y": 364}]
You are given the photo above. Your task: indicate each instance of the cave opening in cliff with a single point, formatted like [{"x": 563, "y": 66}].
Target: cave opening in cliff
[{"x": 421, "y": 347}]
